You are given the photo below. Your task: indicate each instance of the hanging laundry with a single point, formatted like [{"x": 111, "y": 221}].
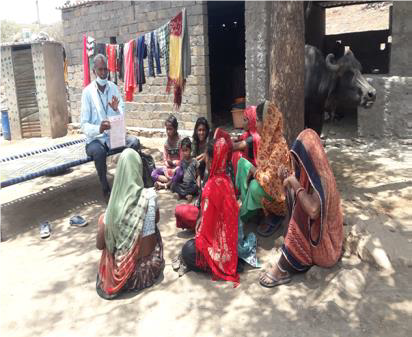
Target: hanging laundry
[
  {"x": 86, "y": 70},
  {"x": 120, "y": 63},
  {"x": 148, "y": 43},
  {"x": 162, "y": 36},
  {"x": 129, "y": 75},
  {"x": 156, "y": 53},
  {"x": 179, "y": 56},
  {"x": 141, "y": 53},
  {"x": 153, "y": 53},
  {"x": 91, "y": 50},
  {"x": 111, "y": 62}
]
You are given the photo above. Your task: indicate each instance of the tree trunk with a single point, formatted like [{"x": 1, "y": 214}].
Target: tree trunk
[{"x": 286, "y": 64}]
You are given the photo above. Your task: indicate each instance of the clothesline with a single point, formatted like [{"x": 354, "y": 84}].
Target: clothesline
[{"x": 125, "y": 60}]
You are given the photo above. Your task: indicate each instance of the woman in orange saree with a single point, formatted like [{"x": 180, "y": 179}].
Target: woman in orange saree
[{"x": 314, "y": 235}]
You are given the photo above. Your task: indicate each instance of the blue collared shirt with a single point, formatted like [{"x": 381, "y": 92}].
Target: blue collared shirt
[{"x": 96, "y": 108}]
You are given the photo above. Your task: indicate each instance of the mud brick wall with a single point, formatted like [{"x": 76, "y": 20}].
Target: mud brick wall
[{"x": 126, "y": 20}]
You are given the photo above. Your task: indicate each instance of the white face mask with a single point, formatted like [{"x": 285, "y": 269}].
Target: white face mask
[{"x": 101, "y": 81}]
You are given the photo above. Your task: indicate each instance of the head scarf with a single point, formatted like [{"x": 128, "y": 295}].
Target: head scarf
[
  {"x": 322, "y": 243},
  {"x": 127, "y": 205},
  {"x": 273, "y": 151},
  {"x": 250, "y": 114},
  {"x": 216, "y": 239},
  {"x": 220, "y": 133},
  {"x": 124, "y": 220}
]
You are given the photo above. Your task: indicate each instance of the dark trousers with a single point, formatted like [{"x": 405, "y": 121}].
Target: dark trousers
[{"x": 98, "y": 152}]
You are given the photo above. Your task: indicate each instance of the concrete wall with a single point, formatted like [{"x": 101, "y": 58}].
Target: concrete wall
[
  {"x": 401, "y": 53},
  {"x": 56, "y": 89},
  {"x": 126, "y": 20},
  {"x": 257, "y": 67},
  {"x": 391, "y": 115},
  {"x": 8, "y": 83}
]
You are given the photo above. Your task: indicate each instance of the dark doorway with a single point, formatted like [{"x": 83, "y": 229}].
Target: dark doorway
[{"x": 226, "y": 21}]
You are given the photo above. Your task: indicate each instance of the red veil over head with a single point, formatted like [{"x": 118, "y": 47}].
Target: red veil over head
[
  {"x": 216, "y": 238},
  {"x": 250, "y": 114}
]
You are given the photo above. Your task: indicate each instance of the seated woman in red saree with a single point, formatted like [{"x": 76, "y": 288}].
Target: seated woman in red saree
[
  {"x": 187, "y": 214},
  {"x": 214, "y": 248},
  {"x": 314, "y": 235},
  {"x": 132, "y": 250},
  {"x": 246, "y": 145}
]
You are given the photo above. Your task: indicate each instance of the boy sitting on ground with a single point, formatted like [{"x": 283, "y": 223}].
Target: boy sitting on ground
[{"x": 187, "y": 187}]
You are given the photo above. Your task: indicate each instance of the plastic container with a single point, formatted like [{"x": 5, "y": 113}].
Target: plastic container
[
  {"x": 239, "y": 100},
  {"x": 5, "y": 124}
]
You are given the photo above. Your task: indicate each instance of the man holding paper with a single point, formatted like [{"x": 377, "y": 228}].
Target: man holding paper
[{"x": 102, "y": 120}]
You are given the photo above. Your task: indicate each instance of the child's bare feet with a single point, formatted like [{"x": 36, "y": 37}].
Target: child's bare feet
[
  {"x": 158, "y": 185},
  {"x": 189, "y": 198}
]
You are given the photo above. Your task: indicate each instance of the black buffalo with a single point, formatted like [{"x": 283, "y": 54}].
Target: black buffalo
[{"x": 329, "y": 82}]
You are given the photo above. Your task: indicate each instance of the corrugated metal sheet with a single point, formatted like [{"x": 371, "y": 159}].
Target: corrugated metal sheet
[{"x": 26, "y": 93}]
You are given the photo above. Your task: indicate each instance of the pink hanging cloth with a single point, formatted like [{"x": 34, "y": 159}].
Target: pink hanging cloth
[
  {"x": 129, "y": 75},
  {"x": 86, "y": 68}
]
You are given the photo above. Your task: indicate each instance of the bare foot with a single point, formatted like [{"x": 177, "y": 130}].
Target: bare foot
[
  {"x": 176, "y": 196},
  {"x": 189, "y": 198},
  {"x": 158, "y": 185}
]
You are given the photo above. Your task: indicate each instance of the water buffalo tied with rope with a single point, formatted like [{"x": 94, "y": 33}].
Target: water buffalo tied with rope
[{"x": 329, "y": 82}]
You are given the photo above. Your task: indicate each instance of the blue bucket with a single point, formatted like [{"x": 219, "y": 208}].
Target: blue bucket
[{"x": 5, "y": 124}]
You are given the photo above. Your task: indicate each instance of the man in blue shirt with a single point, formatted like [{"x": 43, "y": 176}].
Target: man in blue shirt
[{"x": 100, "y": 100}]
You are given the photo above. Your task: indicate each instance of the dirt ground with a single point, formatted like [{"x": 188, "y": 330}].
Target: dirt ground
[{"x": 48, "y": 286}]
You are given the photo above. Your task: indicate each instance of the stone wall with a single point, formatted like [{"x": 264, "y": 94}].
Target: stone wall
[
  {"x": 391, "y": 115},
  {"x": 401, "y": 49},
  {"x": 257, "y": 67},
  {"x": 126, "y": 20}
]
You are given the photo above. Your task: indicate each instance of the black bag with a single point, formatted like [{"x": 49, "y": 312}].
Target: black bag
[{"x": 148, "y": 167}]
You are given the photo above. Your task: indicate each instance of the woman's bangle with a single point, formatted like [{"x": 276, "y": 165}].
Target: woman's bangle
[{"x": 300, "y": 189}]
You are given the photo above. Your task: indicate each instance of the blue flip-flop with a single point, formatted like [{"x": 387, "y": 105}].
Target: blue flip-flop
[
  {"x": 78, "y": 221},
  {"x": 274, "y": 223}
]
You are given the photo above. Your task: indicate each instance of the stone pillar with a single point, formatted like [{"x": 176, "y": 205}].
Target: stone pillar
[
  {"x": 401, "y": 49},
  {"x": 50, "y": 87},
  {"x": 257, "y": 67}
]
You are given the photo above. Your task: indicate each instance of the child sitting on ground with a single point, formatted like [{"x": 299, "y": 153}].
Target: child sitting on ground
[
  {"x": 186, "y": 187},
  {"x": 163, "y": 176}
]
